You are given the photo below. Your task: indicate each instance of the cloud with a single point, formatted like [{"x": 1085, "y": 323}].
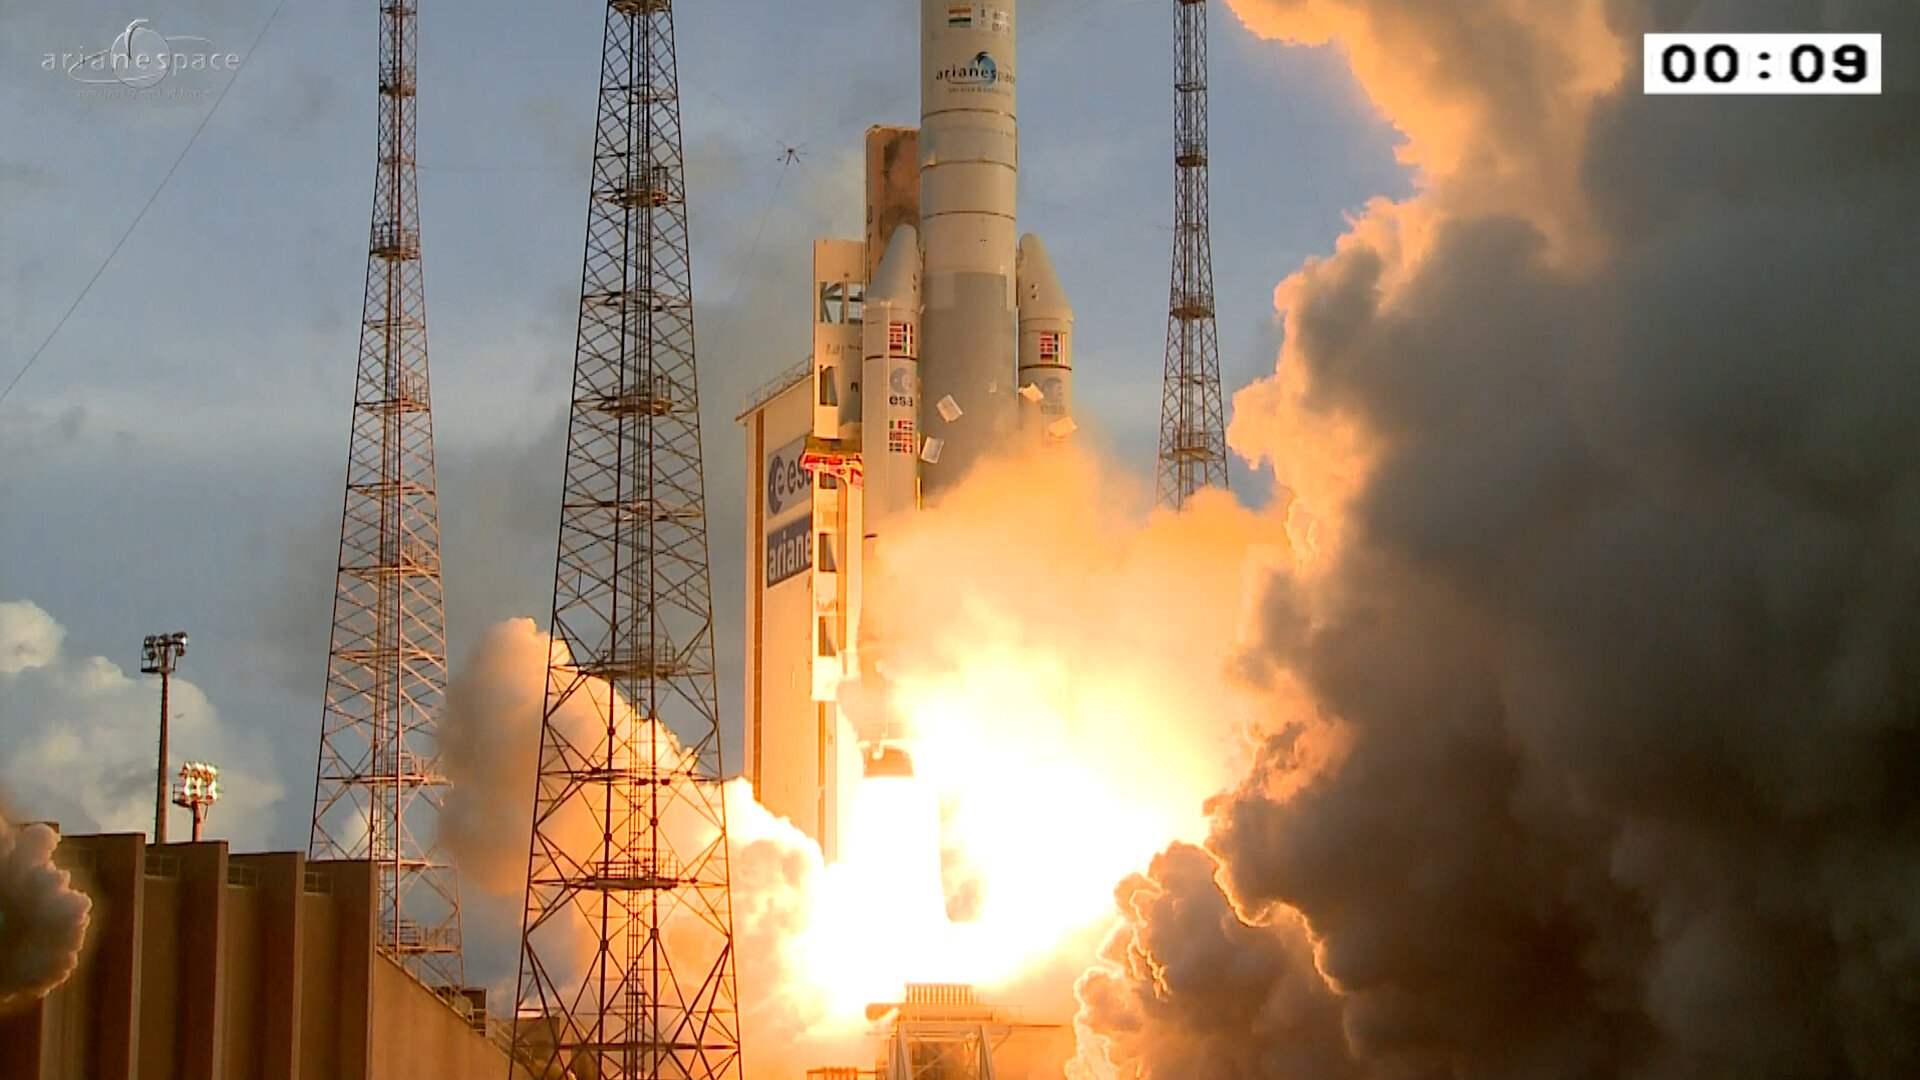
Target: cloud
[
  {"x": 29, "y": 638},
  {"x": 1607, "y": 580},
  {"x": 78, "y": 742}
]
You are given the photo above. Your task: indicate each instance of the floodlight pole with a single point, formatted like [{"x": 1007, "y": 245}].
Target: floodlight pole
[{"x": 159, "y": 655}]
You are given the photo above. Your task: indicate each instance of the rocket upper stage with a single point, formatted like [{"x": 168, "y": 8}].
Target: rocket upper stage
[{"x": 969, "y": 177}]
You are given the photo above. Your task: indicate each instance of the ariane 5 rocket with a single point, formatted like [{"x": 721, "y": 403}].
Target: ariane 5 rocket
[{"x": 966, "y": 342}]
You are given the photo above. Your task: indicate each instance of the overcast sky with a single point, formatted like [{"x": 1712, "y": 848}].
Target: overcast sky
[{"x": 174, "y": 458}]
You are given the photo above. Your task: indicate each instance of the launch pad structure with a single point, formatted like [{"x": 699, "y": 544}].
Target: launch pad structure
[{"x": 939, "y": 1031}]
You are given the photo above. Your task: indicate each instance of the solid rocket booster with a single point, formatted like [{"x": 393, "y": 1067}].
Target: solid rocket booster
[
  {"x": 890, "y": 459},
  {"x": 969, "y": 172},
  {"x": 1046, "y": 347},
  {"x": 890, "y": 373}
]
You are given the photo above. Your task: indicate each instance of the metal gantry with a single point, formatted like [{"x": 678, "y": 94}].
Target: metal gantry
[
  {"x": 626, "y": 962},
  {"x": 378, "y": 787},
  {"x": 940, "y": 1033},
  {"x": 1193, "y": 440}
]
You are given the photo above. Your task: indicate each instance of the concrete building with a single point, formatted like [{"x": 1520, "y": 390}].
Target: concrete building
[
  {"x": 792, "y": 740},
  {"x": 204, "y": 965}
]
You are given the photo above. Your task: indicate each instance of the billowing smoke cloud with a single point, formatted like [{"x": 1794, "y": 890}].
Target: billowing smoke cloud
[
  {"x": 490, "y": 744},
  {"x": 43, "y": 919},
  {"x": 1228, "y": 999},
  {"x": 1057, "y": 651},
  {"x": 1613, "y": 594}
]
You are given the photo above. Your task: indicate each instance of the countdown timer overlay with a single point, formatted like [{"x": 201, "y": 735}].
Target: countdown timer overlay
[{"x": 1762, "y": 63}]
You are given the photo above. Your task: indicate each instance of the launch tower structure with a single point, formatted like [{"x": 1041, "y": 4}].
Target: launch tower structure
[
  {"x": 1193, "y": 440},
  {"x": 626, "y": 959},
  {"x": 378, "y": 787}
]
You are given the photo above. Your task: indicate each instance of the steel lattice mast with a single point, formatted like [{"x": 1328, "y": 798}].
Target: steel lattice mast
[
  {"x": 628, "y": 854},
  {"x": 1193, "y": 440},
  {"x": 378, "y": 788}
]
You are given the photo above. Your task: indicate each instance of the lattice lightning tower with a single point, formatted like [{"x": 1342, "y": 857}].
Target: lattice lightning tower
[
  {"x": 626, "y": 961},
  {"x": 1193, "y": 440},
  {"x": 378, "y": 788}
]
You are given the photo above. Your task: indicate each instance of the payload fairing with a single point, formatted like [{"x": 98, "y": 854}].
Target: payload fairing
[{"x": 964, "y": 349}]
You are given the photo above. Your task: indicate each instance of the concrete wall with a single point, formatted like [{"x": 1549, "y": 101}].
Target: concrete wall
[
  {"x": 201, "y": 965},
  {"x": 413, "y": 1033}
]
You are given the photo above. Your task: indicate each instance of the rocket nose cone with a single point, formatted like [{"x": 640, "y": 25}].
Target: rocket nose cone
[{"x": 1039, "y": 286}]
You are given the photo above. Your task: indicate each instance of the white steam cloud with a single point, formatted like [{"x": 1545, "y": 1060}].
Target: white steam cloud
[
  {"x": 43, "y": 919},
  {"x": 490, "y": 744}
]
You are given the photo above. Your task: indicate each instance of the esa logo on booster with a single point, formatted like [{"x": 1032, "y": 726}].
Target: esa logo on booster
[{"x": 900, "y": 387}]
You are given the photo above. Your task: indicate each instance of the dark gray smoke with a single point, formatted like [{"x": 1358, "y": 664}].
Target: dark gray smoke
[
  {"x": 1618, "y": 636},
  {"x": 43, "y": 920},
  {"x": 1202, "y": 993}
]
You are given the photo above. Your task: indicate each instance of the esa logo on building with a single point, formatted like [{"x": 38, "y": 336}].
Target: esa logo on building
[
  {"x": 981, "y": 74},
  {"x": 787, "y": 483}
]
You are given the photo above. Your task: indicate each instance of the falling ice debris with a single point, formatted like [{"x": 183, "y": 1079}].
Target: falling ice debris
[
  {"x": 1062, "y": 427},
  {"x": 930, "y": 450},
  {"x": 949, "y": 409},
  {"x": 1031, "y": 393}
]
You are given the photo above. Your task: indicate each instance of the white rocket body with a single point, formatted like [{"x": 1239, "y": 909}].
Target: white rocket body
[
  {"x": 969, "y": 175},
  {"x": 967, "y": 338},
  {"x": 890, "y": 460},
  {"x": 1046, "y": 348},
  {"x": 890, "y": 380}
]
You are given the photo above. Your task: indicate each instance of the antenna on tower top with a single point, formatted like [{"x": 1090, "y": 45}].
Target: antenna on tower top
[{"x": 1193, "y": 430}]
